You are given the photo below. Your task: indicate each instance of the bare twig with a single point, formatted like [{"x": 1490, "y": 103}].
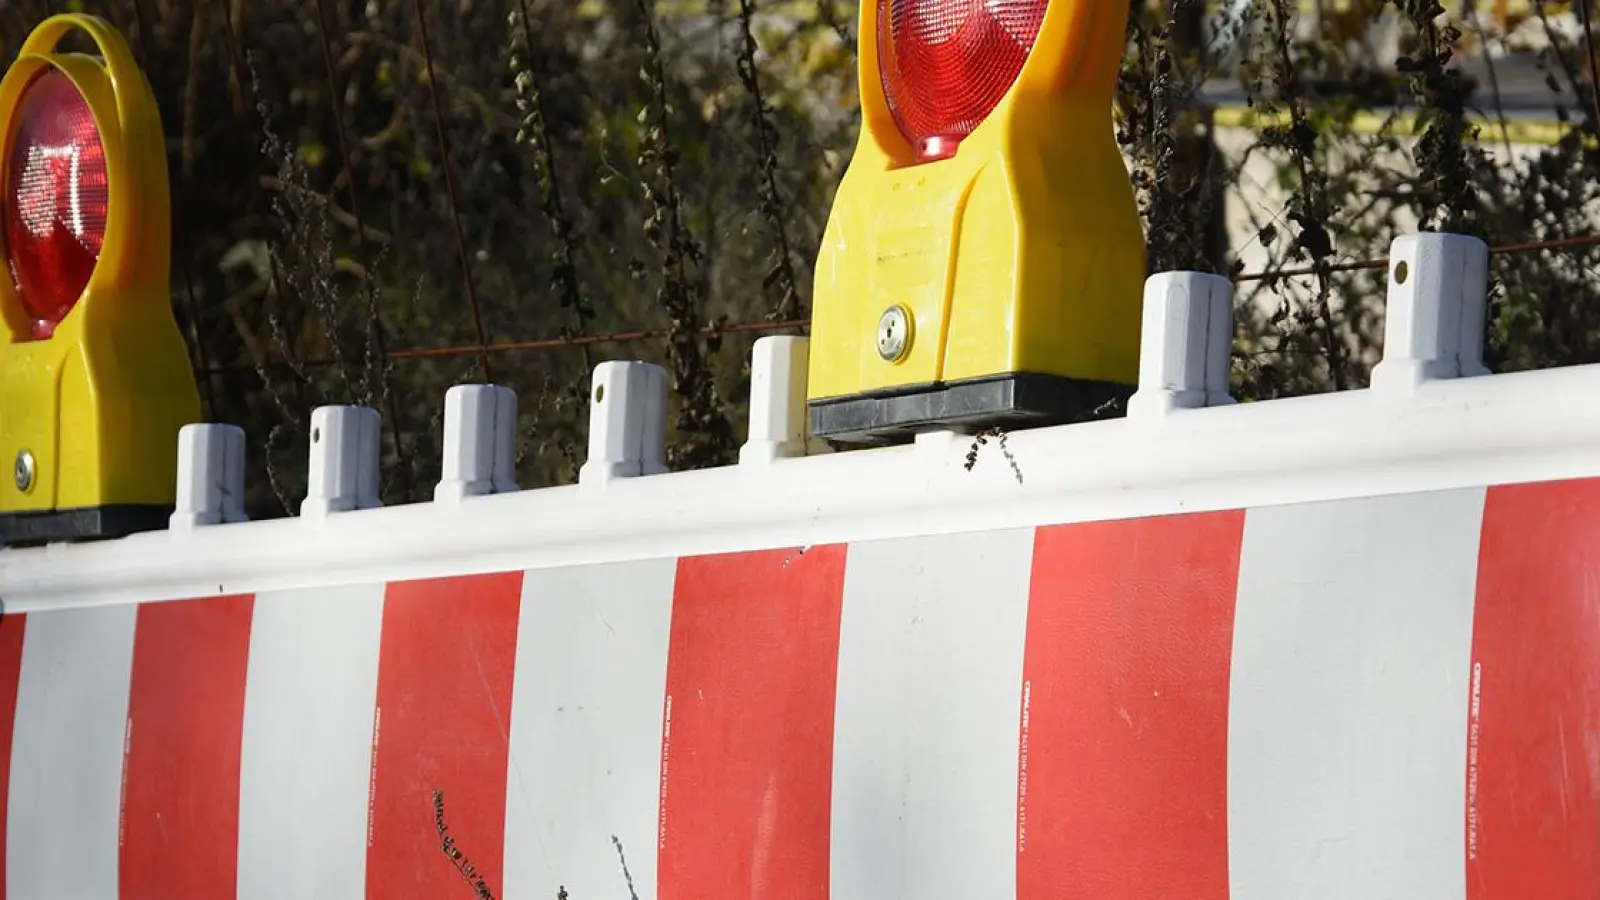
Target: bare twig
[
  {"x": 780, "y": 277},
  {"x": 447, "y": 844},
  {"x": 626, "y": 875},
  {"x": 534, "y": 131},
  {"x": 706, "y": 435},
  {"x": 1311, "y": 207},
  {"x": 450, "y": 190}
]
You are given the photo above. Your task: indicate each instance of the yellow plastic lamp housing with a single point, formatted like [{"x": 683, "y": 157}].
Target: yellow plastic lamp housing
[
  {"x": 983, "y": 263},
  {"x": 96, "y": 378}
]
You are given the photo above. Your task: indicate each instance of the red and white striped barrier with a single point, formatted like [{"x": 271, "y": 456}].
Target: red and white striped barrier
[
  {"x": 1387, "y": 697},
  {"x": 1341, "y": 647}
]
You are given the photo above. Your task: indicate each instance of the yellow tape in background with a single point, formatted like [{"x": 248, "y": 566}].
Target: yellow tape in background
[{"x": 1526, "y": 132}]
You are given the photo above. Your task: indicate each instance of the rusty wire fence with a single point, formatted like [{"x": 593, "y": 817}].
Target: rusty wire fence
[{"x": 802, "y": 326}]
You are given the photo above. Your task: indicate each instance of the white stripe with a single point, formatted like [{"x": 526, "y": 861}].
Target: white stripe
[
  {"x": 928, "y": 712},
  {"x": 307, "y": 754},
  {"x": 63, "y": 819},
  {"x": 1348, "y": 705},
  {"x": 586, "y": 729}
]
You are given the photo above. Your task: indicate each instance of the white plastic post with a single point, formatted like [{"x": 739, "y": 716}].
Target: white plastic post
[
  {"x": 343, "y": 474},
  {"x": 627, "y": 422},
  {"x": 1433, "y": 327},
  {"x": 210, "y": 476},
  {"x": 778, "y": 426},
  {"x": 652, "y": 405},
  {"x": 1185, "y": 340},
  {"x": 370, "y": 456},
  {"x": 480, "y": 442},
  {"x": 505, "y": 442}
]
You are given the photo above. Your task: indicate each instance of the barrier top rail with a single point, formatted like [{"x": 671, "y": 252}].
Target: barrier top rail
[{"x": 1432, "y": 420}]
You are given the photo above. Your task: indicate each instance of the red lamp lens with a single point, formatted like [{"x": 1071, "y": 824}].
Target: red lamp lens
[
  {"x": 56, "y": 199},
  {"x": 945, "y": 64}
]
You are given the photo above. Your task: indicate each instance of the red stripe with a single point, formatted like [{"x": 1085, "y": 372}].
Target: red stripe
[
  {"x": 1124, "y": 746},
  {"x": 12, "y": 627},
  {"x": 747, "y": 753},
  {"x": 1533, "y": 731},
  {"x": 180, "y": 804},
  {"x": 444, "y": 715}
]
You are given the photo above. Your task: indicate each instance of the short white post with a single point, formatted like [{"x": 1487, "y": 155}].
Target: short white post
[
  {"x": 778, "y": 425},
  {"x": 505, "y": 441},
  {"x": 1433, "y": 326},
  {"x": 1184, "y": 344},
  {"x": 210, "y": 476},
  {"x": 652, "y": 404},
  {"x": 627, "y": 422},
  {"x": 480, "y": 439},
  {"x": 343, "y": 472}
]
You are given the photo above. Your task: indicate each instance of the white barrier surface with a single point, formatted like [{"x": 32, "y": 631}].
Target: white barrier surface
[{"x": 1247, "y": 704}]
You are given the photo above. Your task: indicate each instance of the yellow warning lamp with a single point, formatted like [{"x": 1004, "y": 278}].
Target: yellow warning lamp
[
  {"x": 96, "y": 380},
  {"x": 983, "y": 264}
]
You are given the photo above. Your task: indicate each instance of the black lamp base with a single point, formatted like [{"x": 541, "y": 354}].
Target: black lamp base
[
  {"x": 86, "y": 523},
  {"x": 1015, "y": 400}
]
